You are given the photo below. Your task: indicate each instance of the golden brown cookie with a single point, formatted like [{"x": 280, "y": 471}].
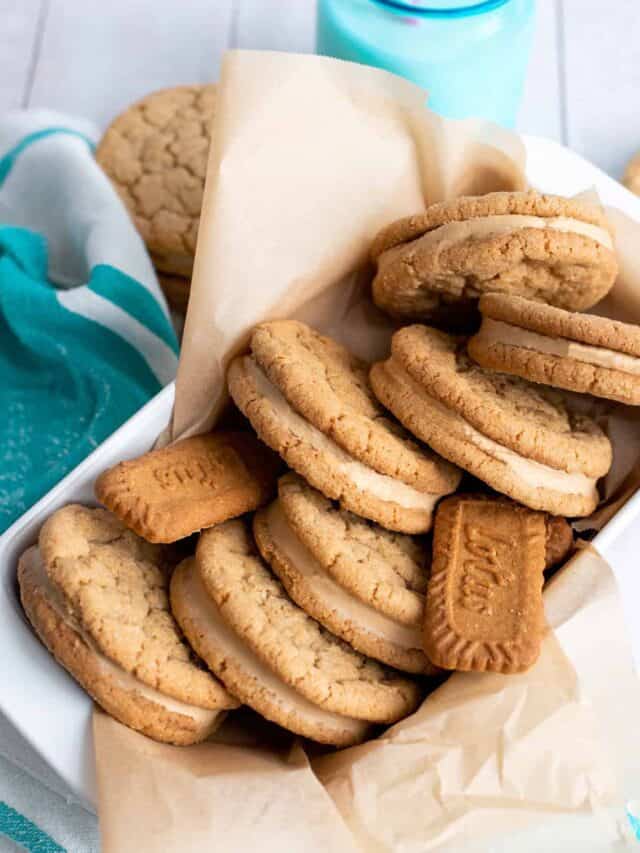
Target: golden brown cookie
[
  {"x": 521, "y": 439},
  {"x": 631, "y": 178},
  {"x": 435, "y": 265},
  {"x": 324, "y": 669},
  {"x": 156, "y": 155},
  {"x": 357, "y": 477},
  {"x": 168, "y": 494},
  {"x": 113, "y": 587},
  {"x": 578, "y": 352},
  {"x": 245, "y": 675},
  {"x": 132, "y": 702},
  {"x": 484, "y": 607}
]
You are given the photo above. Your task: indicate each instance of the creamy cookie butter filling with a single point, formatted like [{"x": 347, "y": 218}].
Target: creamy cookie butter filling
[
  {"x": 204, "y": 611},
  {"x": 489, "y": 226},
  {"x": 346, "y": 606},
  {"x": 365, "y": 479},
  {"x": 534, "y": 474},
  {"x": 497, "y": 331},
  {"x": 124, "y": 680}
]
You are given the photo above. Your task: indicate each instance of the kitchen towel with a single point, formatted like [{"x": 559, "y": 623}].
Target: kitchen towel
[{"x": 85, "y": 335}]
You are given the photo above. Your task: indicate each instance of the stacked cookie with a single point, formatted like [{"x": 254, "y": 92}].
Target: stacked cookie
[{"x": 328, "y": 608}]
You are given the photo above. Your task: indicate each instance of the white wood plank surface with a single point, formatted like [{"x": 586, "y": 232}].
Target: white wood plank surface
[
  {"x": 18, "y": 48},
  {"x": 602, "y": 59},
  {"x": 541, "y": 111},
  {"x": 275, "y": 25},
  {"x": 97, "y": 56}
]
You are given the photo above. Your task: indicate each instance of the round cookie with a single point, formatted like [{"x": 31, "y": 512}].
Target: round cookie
[
  {"x": 156, "y": 153},
  {"x": 382, "y": 568},
  {"x": 313, "y": 589},
  {"x": 246, "y": 676},
  {"x": 521, "y": 439},
  {"x": 124, "y": 697},
  {"x": 115, "y": 585},
  {"x": 578, "y": 352},
  {"x": 324, "y": 669},
  {"x": 631, "y": 178},
  {"x": 329, "y": 386},
  {"x": 551, "y": 249}
]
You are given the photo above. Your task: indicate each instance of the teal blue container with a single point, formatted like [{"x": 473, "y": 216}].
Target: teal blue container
[{"x": 471, "y": 57}]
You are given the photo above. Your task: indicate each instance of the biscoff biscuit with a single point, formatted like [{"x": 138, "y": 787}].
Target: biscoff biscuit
[
  {"x": 484, "y": 607},
  {"x": 168, "y": 494}
]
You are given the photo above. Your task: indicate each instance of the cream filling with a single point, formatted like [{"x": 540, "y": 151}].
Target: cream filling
[
  {"x": 124, "y": 680},
  {"x": 320, "y": 583},
  {"x": 534, "y": 474},
  {"x": 496, "y": 331},
  {"x": 488, "y": 226},
  {"x": 203, "y": 610},
  {"x": 365, "y": 479}
]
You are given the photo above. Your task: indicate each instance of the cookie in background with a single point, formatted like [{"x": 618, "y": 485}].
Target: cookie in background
[{"x": 155, "y": 154}]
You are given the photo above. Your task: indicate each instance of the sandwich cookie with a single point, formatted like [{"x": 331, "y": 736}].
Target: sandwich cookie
[
  {"x": 98, "y": 598},
  {"x": 579, "y": 352},
  {"x": 309, "y": 399},
  {"x": 156, "y": 153},
  {"x": 365, "y": 584},
  {"x": 288, "y": 645},
  {"x": 521, "y": 439},
  {"x": 484, "y": 608},
  {"x": 555, "y": 250},
  {"x": 171, "y": 493}
]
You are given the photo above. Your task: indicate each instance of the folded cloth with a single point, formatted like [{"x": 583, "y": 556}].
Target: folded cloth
[
  {"x": 85, "y": 335},
  {"x": 85, "y": 340}
]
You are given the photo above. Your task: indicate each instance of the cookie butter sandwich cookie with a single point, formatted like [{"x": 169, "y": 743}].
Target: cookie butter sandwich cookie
[
  {"x": 168, "y": 494},
  {"x": 308, "y": 398},
  {"x": 521, "y": 439},
  {"x": 552, "y": 249},
  {"x": 271, "y": 654},
  {"x": 363, "y": 583},
  {"x": 580, "y": 352},
  {"x": 97, "y": 596}
]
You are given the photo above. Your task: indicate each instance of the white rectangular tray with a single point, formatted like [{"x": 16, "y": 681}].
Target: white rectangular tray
[{"x": 45, "y": 704}]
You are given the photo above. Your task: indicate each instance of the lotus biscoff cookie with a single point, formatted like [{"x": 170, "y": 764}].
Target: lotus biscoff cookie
[
  {"x": 578, "y": 352},
  {"x": 98, "y": 597},
  {"x": 155, "y": 153},
  {"x": 168, "y": 494},
  {"x": 484, "y": 607},
  {"x": 523, "y": 440},
  {"x": 308, "y": 398},
  {"x": 365, "y": 584},
  {"x": 436, "y": 264}
]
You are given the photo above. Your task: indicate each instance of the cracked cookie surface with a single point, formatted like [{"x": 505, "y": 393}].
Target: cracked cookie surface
[
  {"x": 155, "y": 153},
  {"x": 436, "y": 265},
  {"x": 321, "y": 667},
  {"x": 114, "y": 585}
]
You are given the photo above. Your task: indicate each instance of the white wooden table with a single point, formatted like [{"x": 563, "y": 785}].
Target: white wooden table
[{"x": 93, "y": 57}]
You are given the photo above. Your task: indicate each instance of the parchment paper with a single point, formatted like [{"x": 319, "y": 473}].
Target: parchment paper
[{"x": 311, "y": 157}]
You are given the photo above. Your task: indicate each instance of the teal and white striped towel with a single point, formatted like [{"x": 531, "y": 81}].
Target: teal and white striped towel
[
  {"x": 85, "y": 336},
  {"x": 85, "y": 340}
]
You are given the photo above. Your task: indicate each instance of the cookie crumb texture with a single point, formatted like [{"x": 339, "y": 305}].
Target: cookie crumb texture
[
  {"x": 304, "y": 655},
  {"x": 115, "y": 585},
  {"x": 484, "y": 603},
  {"x": 156, "y": 155}
]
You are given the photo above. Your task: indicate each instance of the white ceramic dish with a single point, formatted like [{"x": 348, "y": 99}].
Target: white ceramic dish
[{"x": 46, "y": 705}]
